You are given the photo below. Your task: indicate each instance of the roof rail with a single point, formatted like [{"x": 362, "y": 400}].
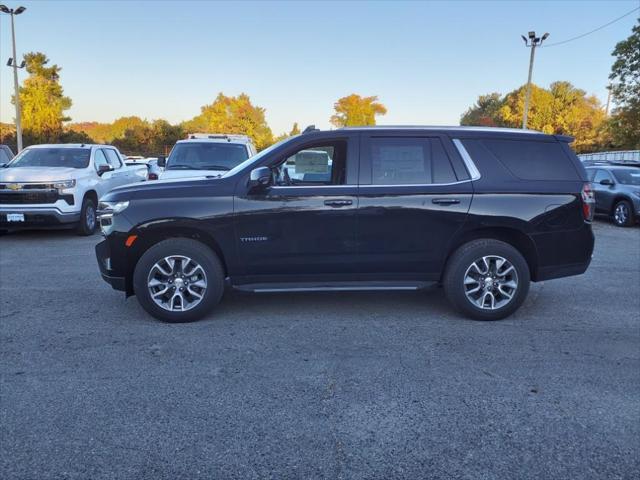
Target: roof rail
[{"x": 310, "y": 128}]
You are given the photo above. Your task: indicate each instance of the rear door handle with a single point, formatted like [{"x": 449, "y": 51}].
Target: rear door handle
[
  {"x": 445, "y": 201},
  {"x": 338, "y": 203}
]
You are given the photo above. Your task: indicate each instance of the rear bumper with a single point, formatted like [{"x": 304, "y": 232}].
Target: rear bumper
[
  {"x": 37, "y": 217},
  {"x": 563, "y": 254},
  {"x": 104, "y": 264}
]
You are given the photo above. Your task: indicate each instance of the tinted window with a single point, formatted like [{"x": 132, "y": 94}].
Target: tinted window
[
  {"x": 591, "y": 173},
  {"x": 628, "y": 176},
  {"x": 99, "y": 159},
  {"x": 53, "y": 157},
  {"x": 409, "y": 161},
  {"x": 531, "y": 160},
  {"x": 206, "y": 156},
  {"x": 601, "y": 175},
  {"x": 112, "y": 158},
  {"x": 323, "y": 164}
]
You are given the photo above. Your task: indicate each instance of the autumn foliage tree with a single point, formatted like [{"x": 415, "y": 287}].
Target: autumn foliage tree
[
  {"x": 560, "y": 109},
  {"x": 233, "y": 115},
  {"x": 42, "y": 100},
  {"x": 355, "y": 111}
]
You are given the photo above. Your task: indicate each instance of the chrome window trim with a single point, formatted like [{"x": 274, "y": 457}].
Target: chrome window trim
[
  {"x": 468, "y": 161},
  {"x": 365, "y": 185},
  {"x": 415, "y": 184}
]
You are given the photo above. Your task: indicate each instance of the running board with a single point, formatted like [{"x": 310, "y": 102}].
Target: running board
[{"x": 330, "y": 286}]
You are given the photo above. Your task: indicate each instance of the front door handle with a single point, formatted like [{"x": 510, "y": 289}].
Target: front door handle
[
  {"x": 338, "y": 203},
  {"x": 445, "y": 201}
]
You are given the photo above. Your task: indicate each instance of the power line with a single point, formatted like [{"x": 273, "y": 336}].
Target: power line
[{"x": 592, "y": 31}]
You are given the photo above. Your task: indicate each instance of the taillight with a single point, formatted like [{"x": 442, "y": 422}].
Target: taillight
[
  {"x": 152, "y": 176},
  {"x": 588, "y": 201}
]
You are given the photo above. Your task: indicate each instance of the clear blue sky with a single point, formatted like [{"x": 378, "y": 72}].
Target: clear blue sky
[{"x": 427, "y": 61}]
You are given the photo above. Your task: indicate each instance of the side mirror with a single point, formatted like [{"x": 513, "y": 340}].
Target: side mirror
[
  {"x": 104, "y": 169},
  {"x": 162, "y": 161},
  {"x": 606, "y": 181},
  {"x": 260, "y": 177}
]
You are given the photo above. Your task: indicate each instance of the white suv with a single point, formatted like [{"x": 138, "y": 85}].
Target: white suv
[
  {"x": 59, "y": 185},
  {"x": 206, "y": 155}
]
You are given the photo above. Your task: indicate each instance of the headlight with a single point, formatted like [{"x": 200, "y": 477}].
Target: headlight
[
  {"x": 62, "y": 184},
  {"x": 111, "y": 208}
]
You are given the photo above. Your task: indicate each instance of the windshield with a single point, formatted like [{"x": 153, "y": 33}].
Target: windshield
[
  {"x": 206, "y": 156},
  {"x": 52, "y": 157},
  {"x": 627, "y": 176},
  {"x": 257, "y": 157}
]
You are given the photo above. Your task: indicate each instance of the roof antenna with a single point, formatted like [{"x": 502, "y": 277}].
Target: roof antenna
[{"x": 309, "y": 129}]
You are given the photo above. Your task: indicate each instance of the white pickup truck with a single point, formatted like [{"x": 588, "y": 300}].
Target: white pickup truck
[{"x": 59, "y": 185}]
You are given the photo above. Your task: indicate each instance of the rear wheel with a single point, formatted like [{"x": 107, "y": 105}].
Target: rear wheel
[
  {"x": 178, "y": 280},
  {"x": 623, "y": 214},
  {"x": 88, "y": 218},
  {"x": 487, "y": 279}
]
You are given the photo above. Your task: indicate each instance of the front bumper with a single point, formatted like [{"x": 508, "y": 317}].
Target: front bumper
[
  {"x": 103, "y": 256},
  {"x": 37, "y": 217}
]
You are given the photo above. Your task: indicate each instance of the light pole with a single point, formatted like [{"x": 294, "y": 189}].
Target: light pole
[
  {"x": 13, "y": 62},
  {"x": 531, "y": 42}
]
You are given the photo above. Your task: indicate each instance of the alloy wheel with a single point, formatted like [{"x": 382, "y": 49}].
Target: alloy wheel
[
  {"x": 490, "y": 282},
  {"x": 177, "y": 283},
  {"x": 90, "y": 218},
  {"x": 621, "y": 214}
]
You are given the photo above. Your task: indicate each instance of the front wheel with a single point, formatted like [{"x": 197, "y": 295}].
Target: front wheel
[
  {"x": 487, "y": 279},
  {"x": 178, "y": 280},
  {"x": 623, "y": 214},
  {"x": 88, "y": 218}
]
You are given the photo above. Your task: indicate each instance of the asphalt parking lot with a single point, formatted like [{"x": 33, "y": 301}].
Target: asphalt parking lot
[{"x": 325, "y": 385}]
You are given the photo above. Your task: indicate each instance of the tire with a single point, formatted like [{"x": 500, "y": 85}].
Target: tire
[
  {"x": 460, "y": 269},
  {"x": 88, "y": 218},
  {"x": 623, "y": 214},
  {"x": 173, "y": 306}
]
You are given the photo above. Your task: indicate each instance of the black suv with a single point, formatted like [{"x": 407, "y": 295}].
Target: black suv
[
  {"x": 482, "y": 211},
  {"x": 617, "y": 192}
]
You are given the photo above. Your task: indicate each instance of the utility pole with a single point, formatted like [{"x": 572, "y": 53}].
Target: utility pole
[
  {"x": 532, "y": 42},
  {"x": 13, "y": 62},
  {"x": 606, "y": 110}
]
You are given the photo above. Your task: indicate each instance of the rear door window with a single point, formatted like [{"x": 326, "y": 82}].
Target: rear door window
[
  {"x": 112, "y": 158},
  {"x": 533, "y": 160},
  {"x": 409, "y": 161}
]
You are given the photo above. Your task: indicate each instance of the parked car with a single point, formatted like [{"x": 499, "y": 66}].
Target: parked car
[
  {"x": 5, "y": 155},
  {"x": 482, "y": 211},
  {"x": 153, "y": 171},
  {"x": 617, "y": 192},
  {"x": 59, "y": 185},
  {"x": 205, "y": 155}
]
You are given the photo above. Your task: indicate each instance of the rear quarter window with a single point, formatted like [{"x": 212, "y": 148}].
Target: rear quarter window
[{"x": 533, "y": 160}]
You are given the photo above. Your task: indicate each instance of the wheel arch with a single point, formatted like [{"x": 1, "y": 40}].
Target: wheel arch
[
  {"x": 618, "y": 198},
  {"x": 93, "y": 195},
  {"x": 514, "y": 237},
  {"x": 152, "y": 236}
]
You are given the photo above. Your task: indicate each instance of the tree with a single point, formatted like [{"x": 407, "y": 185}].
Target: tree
[
  {"x": 484, "y": 112},
  {"x": 624, "y": 124},
  {"x": 295, "y": 130},
  {"x": 42, "y": 100},
  {"x": 561, "y": 109},
  {"x": 354, "y": 111},
  {"x": 233, "y": 115}
]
